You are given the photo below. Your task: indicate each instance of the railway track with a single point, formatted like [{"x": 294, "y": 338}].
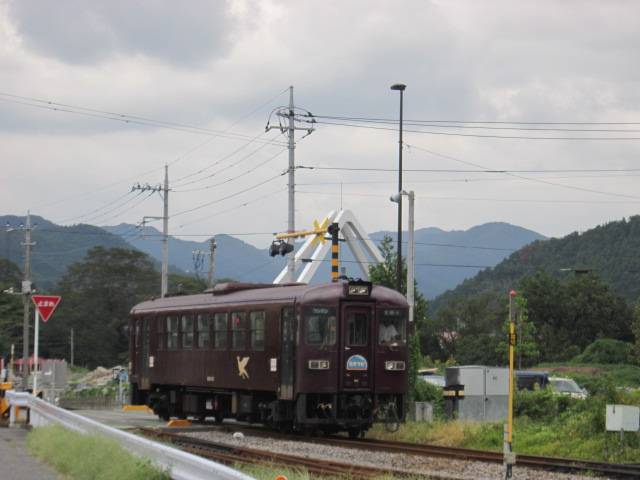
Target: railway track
[
  {"x": 556, "y": 464},
  {"x": 238, "y": 454},
  {"x": 230, "y": 455}
]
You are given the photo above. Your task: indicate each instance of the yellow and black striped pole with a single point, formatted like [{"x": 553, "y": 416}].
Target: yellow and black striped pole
[{"x": 335, "y": 249}]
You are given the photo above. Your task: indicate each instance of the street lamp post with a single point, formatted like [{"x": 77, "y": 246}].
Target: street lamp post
[
  {"x": 399, "y": 87},
  {"x": 411, "y": 256}
]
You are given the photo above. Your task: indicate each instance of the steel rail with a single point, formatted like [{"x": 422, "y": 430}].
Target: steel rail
[
  {"x": 622, "y": 471},
  {"x": 237, "y": 454}
]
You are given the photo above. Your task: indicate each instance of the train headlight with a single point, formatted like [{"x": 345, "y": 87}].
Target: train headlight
[
  {"x": 359, "y": 289},
  {"x": 319, "y": 364},
  {"x": 394, "y": 365}
]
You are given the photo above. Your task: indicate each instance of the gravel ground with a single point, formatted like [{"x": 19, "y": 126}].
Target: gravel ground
[{"x": 457, "y": 469}]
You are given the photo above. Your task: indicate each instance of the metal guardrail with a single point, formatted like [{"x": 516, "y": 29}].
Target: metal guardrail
[{"x": 181, "y": 465}]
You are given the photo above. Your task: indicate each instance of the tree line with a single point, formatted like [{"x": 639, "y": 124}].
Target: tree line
[{"x": 557, "y": 319}]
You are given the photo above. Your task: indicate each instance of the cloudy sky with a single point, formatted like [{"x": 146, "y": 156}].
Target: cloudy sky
[{"x": 526, "y": 112}]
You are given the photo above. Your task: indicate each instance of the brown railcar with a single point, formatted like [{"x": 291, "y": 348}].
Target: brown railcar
[{"x": 293, "y": 356}]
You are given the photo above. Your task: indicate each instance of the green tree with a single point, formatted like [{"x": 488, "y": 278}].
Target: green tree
[
  {"x": 470, "y": 329},
  {"x": 570, "y": 315},
  {"x": 635, "y": 327},
  {"x": 11, "y": 308},
  {"x": 384, "y": 274},
  {"x": 97, "y": 295},
  {"x": 526, "y": 349}
]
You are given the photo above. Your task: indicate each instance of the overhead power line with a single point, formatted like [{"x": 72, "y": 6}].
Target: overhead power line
[
  {"x": 120, "y": 117},
  {"x": 458, "y": 126}
]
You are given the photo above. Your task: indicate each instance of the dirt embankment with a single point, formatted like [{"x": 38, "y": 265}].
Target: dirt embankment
[{"x": 569, "y": 370}]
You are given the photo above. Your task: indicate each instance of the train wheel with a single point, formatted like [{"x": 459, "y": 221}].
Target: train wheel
[
  {"x": 217, "y": 416},
  {"x": 284, "y": 427},
  {"x": 201, "y": 418},
  {"x": 354, "y": 432}
]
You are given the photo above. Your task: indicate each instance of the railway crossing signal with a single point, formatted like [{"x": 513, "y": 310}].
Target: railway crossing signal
[
  {"x": 283, "y": 248},
  {"x": 311, "y": 253}
]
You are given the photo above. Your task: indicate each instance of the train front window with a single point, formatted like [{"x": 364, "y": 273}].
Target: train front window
[
  {"x": 356, "y": 329},
  {"x": 392, "y": 329},
  {"x": 320, "y": 326}
]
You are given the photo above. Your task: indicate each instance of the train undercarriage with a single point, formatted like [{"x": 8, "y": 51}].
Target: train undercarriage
[{"x": 310, "y": 413}]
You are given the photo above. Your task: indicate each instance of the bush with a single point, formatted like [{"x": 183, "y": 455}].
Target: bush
[
  {"x": 607, "y": 351},
  {"x": 544, "y": 404},
  {"x": 427, "y": 392}
]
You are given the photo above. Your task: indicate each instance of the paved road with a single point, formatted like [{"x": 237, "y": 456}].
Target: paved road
[{"x": 16, "y": 463}]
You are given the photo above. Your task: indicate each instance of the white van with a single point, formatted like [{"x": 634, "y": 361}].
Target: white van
[{"x": 567, "y": 386}]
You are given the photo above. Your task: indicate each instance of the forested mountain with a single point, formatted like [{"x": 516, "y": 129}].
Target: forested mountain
[
  {"x": 443, "y": 259},
  {"x": 54, "y": 249},
  {"x": 610, "y": 251}
]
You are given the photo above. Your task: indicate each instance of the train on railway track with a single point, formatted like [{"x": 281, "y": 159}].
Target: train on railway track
[{"x": 296, "y": 357}]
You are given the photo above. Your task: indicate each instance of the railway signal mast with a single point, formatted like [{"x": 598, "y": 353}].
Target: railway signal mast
[{"x": 289, "y": 113}]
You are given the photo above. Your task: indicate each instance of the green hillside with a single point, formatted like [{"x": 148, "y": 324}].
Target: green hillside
[{"x": 610, "y": 251}]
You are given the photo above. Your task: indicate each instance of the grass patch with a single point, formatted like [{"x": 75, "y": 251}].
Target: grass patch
[{"x": 88, "y": 457}]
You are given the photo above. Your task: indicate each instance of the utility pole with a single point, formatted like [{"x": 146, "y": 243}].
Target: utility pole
[
  {"x": 165, "y": 235},
  {"x": 71, "y": 341},
  {"x": 291, "y": 223},
  {"x": 164, "y": 193},
  {"x": 198, "y": 254},
  {"x": 212, "y": 247},
  {"x": 26, "y": 298}
]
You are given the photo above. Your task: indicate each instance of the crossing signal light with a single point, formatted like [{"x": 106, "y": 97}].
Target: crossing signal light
[{"x": 281, "y": 248}]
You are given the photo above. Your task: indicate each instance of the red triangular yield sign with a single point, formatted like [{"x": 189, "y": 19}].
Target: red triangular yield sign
[{"x": 45, "y": 304}]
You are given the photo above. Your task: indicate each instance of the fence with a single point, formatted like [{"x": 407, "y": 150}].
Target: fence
[
  {"x": 181, "y": 465},
  {"x": 88, "y": 403}
]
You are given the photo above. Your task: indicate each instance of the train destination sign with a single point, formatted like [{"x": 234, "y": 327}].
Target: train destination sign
[{"x": 45, "y": 304}]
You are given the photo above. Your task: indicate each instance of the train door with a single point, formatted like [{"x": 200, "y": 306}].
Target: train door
[
  {"x": 286, "y": 359},
  {"x": 144, "y": 324},
  {"x": 357, "y": 348}
]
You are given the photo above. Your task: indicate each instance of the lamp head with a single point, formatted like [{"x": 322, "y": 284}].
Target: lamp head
[
  {"x": 398, "y": 86},
  {"x": 395, "y": 198}
]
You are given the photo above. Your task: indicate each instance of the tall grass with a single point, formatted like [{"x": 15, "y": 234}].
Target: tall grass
[
  {"x": 88, "y": 457},
  {"x": 545, "y": 424}
]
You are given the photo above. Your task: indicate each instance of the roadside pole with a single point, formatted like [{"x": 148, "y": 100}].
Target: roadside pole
[{"x": 509, "y": 456}]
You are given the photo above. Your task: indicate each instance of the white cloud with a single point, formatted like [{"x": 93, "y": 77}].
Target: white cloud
[{"x": 227, "y": 66}]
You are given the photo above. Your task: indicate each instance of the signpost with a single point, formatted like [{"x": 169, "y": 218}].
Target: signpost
[{"x": 45, "y": 305}]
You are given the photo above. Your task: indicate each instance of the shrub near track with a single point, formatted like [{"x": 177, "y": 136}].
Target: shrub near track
[{"x": 545, "y": 424}]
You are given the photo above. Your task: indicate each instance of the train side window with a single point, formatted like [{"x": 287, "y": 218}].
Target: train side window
[
  {"x": 320, "y": 326},
  {"x": 202, "y": 331},
  {"x": 220, "y": 331},
  {"x": 238, "y": 329},
  {"x": 393, "y": 326},
  {"x": 356, "y": 329},
  {"x": 172, "y": 331},
  {"x": 160, "y": 323},
  {"x": 187, "y": 331},
  {"x": 256, "y": 319}
]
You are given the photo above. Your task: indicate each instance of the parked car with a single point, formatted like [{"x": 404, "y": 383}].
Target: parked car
[
  {"x": 528, "y": 380},
  {"x": 567, "y": 386},
  {"x": 437, "y": 380}
]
